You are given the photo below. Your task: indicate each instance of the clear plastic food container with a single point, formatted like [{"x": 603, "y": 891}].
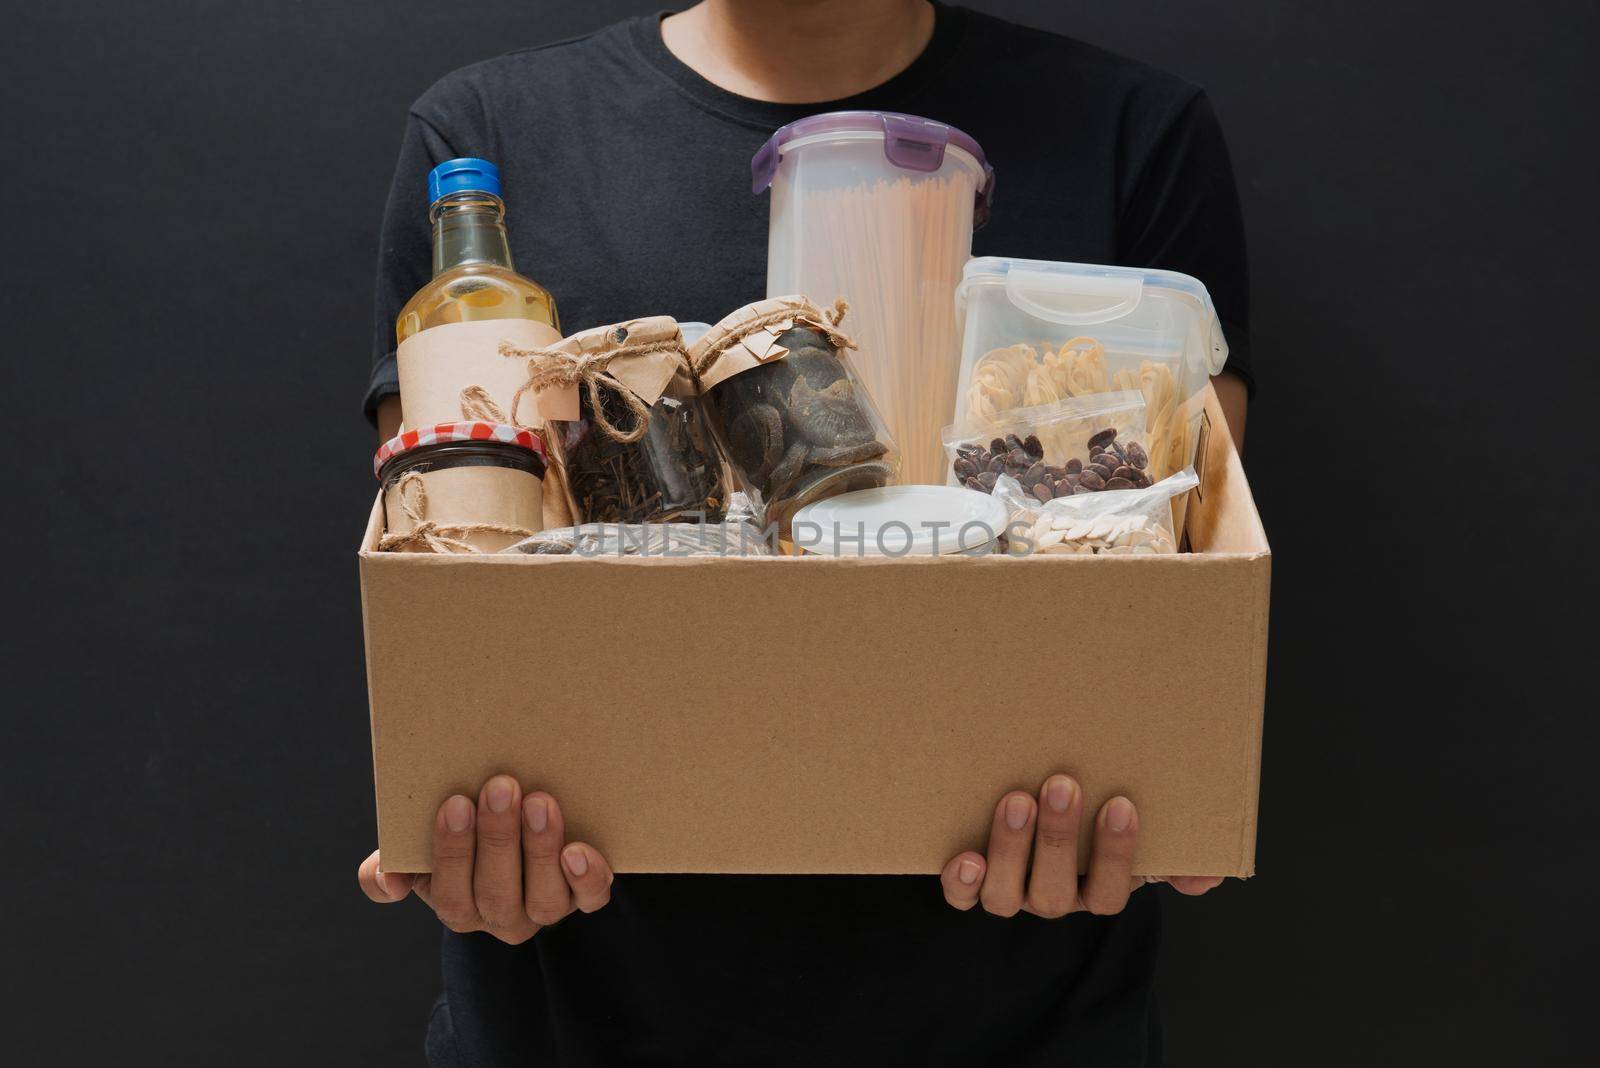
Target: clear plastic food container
[
  {"x": 1037, "y": 332},
  {"x": 879, "y": 208}
]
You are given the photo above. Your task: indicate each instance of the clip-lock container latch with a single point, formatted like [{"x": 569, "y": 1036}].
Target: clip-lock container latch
[{"x": 913, "y": 143}]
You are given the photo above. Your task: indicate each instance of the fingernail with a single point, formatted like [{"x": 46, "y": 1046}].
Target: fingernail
[
  {"x": 498, "y": 794},
  {"x": 967, "y": 872},
  {"x": 393, "y": 885},
  {"x": 1058, "y": 795},
  {"x": 458, "y": 814},
  {"x": 1017, "y": 813},
  {"x": 537, "y": 813},
  {"x": 577, "y": 862},
  {"x": 1119, "y": 814}
]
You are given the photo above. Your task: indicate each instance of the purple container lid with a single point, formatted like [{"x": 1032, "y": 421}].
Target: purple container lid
[{"x": 911, "y": 142}]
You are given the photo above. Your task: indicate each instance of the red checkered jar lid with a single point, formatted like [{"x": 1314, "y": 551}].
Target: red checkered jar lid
[{"x": 444, "y": 433}]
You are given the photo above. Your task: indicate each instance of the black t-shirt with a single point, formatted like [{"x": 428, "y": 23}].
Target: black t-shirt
[{"x": 627, "y": 181}]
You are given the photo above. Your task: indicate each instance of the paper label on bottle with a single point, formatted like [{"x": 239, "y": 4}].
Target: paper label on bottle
[{"x": 437, "y": 364}]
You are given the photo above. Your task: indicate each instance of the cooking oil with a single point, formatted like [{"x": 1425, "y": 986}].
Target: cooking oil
[{"x": 473, "y": 277}]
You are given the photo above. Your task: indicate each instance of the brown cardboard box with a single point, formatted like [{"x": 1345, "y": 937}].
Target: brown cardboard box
[{"x": 811, "y": 714}]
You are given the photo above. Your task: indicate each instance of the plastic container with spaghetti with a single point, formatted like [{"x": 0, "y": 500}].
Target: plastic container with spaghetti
[
  {"x": 1037, "y": 332},
  {"x": 466, "y": 487},
  {"x": 879, "y": 208}
]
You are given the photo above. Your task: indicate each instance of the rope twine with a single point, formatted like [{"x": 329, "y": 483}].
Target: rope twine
[
  {"x": 436, "y": 536},
  {"x": 827, "y": 326},
  {"x": 557, "y": 368},
  {"x": 478, "y": 406}
]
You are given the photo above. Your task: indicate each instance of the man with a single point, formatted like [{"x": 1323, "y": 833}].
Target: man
[{"x": 625, "y": 158}]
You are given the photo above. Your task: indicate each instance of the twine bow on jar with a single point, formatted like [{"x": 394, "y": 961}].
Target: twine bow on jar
[
  {"x": 551, "y": 368},
  {"x": 436, "y": 536}
]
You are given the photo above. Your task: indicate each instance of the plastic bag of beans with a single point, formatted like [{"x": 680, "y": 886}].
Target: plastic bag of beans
[{"x": 1080, "y": 445}]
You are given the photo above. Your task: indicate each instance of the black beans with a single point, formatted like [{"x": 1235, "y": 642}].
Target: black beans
[{"x": 1111, "y": 464}]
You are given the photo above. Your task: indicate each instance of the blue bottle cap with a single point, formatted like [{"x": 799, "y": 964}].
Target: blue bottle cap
[{"x": 463, "y": 176}]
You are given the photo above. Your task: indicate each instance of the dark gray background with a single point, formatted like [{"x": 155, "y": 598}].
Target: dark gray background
[{"x": 192, "y": 193}]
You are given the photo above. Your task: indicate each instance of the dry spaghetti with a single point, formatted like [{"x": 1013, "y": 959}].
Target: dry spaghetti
[{"x": 895, "y": 249}]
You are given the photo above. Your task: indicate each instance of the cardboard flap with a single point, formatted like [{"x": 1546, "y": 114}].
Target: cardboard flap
[{"x": 1222, "y": 517}]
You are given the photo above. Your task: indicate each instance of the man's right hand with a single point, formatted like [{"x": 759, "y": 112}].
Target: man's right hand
[{"x": 501, "y": 866}]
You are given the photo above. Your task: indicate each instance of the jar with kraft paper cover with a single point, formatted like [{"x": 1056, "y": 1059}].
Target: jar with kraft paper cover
[
  {"x": 466, "y": 487},
  {"x": 792, "y": 416},
  {"x": 625, "y": 424}
]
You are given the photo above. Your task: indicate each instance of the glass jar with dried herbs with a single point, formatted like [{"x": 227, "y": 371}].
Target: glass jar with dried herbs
[{"x": 623, "y": 421}]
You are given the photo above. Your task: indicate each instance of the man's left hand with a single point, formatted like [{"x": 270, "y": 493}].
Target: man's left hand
[{"x": 1045, "y": 829}]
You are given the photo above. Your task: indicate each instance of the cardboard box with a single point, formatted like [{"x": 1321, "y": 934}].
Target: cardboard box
[{"x": 811, "y": 714}]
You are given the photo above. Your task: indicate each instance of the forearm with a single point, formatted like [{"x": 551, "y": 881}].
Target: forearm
[
  {"x": 1234, "y": 396},
  {"x": 389, "y": 418}
]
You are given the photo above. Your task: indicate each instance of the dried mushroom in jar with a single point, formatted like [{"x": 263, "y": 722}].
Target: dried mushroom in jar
[
  {"x": 792, "y": 417},
  {"x": 797, "y": 419}
]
